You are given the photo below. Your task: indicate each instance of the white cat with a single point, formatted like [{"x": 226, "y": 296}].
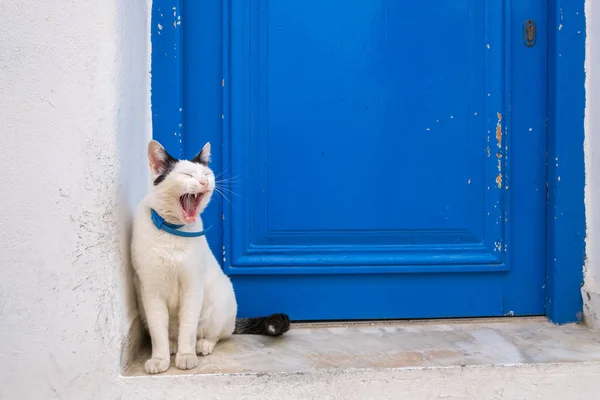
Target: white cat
[{"x": 185, "y": 299}]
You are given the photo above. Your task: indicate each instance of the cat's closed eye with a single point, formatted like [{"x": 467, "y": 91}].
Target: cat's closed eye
[{"x": 186, "y": 174}]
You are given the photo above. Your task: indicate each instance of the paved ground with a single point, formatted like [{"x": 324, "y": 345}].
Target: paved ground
[{"x": 397, "y": 345}]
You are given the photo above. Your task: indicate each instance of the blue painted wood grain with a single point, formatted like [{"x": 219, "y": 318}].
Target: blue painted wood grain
[
  {"x": 370, "y": 155},
  {"x": 388, "y": 160}
]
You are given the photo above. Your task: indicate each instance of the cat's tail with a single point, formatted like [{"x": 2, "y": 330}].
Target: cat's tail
[{"x": 273, "y": 325}]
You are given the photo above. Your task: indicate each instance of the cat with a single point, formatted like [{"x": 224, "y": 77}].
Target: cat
[{"x": 185, "y": 300}]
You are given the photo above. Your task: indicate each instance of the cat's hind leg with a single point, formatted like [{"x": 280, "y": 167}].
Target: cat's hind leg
[
  {"x": 209, "y": 333},
  {"x": 205, "y": 346},
  {"x": 218, "y": 327}
]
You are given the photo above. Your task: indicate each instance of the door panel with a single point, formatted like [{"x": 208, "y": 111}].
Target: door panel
[
  {"x": 366, "y": 148},
  {"x": 376, "y": 162}
]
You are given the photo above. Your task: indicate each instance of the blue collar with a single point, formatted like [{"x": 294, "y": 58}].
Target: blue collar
[{"x": 173, "y": 229}]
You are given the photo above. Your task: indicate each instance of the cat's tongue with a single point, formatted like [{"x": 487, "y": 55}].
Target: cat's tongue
[
  {"x": 189, "y": 204},
  {"x": 189, "y": 218}
]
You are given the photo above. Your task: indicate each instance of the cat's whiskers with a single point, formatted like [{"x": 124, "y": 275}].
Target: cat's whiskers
[
  {"x": 222, "y": 172},
  {"x": 229, "y": 179},
  {"x": 229, "y": 191},
  {"x": 218, "y": 191}
]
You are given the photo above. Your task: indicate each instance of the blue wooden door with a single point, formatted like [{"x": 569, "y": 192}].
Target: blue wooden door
[{"x": 382, "y": 159}]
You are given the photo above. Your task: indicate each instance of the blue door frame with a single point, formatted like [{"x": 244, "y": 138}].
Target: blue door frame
[{"x": 565, "y": 241}]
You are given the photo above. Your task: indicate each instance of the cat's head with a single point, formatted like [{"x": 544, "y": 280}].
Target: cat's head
[{"x": 182, "y": 188}]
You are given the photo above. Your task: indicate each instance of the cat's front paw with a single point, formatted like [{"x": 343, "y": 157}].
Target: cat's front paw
[
  {"x": 186, "y": 361},
  {"x": 157, "y": 365}
]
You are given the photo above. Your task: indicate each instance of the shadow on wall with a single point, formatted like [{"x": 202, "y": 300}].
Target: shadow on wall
[
  {"x": 133, "y": 328},
  {"x": 132, "y": 189},
  {"x": 134, "y": 130}
]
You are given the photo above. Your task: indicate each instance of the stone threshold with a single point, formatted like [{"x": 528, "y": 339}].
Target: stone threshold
[{"x": 462, "y": 359}]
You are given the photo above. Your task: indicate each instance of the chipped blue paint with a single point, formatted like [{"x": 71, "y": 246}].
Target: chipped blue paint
[
  {"x": 566, "y": 176},
  {"x": 170, "y": 34},
  {"x": 167, "y": 78}
]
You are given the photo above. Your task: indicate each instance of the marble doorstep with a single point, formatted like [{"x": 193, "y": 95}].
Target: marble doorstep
[{"x": 314, "y": 348}]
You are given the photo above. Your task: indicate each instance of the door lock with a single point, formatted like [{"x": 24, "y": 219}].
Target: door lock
[{"x": 529, "y": 33}]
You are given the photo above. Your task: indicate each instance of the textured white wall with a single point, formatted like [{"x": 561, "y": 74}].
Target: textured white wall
[
  {"x": 74, "y": 112},
  {"x": 591, "y": 289}
]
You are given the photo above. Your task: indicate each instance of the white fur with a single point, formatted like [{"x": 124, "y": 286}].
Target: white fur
[{"x": 185, "y": 299}]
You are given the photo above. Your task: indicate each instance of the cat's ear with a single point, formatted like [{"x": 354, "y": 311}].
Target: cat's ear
[
  {"x": 204, "y": 156},
  {"x": 158, "y": 158}
]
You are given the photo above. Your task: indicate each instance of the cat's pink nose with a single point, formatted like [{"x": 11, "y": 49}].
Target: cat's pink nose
[{"x": 203, "y": 182}]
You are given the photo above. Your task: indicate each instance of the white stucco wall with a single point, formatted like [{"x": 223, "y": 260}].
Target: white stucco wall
[
  {"x": 74, "y": 113},
  {"x": 591, "y": 289},
  {"x": 75, "y": 118}
]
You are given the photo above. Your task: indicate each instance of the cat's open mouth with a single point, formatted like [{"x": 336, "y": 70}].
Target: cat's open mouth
[{"x": 189, "y": 203}]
